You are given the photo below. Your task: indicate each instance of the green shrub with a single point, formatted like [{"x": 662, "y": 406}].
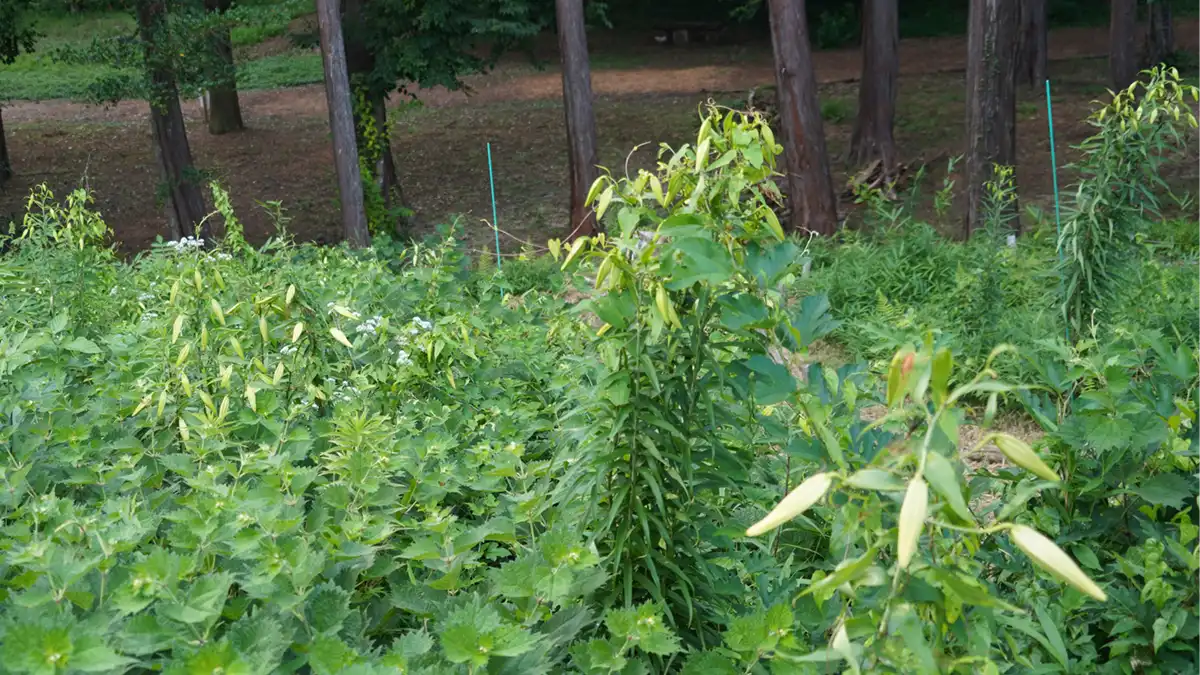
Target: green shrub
[{"x": 323, "y": 460}]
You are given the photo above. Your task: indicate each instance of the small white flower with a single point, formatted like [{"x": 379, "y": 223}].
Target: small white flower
[
  {"x": 143, "y": 297},
  {"x": 186, "y": 244},
  {"x": 287, "y": 350},
  {"x": 402, "y": 358},
  {"x": 113, "y": 291},
  {"x": 370, "y": 325}
]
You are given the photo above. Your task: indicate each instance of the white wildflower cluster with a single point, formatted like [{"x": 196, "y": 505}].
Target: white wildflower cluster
[
  {"x": 287, "y": 350},
  {"x": 221, "y": 255},
  {"x": 341, "y": 391},
  {"x": 112, "y": 291},
  {"x": 370, "y": 325},
  {"x": 143, "y": 297},
  {"x": 147, "y": 317},
  {"x": 186, "y": 244},
  {"x": 416, "y": 326}
]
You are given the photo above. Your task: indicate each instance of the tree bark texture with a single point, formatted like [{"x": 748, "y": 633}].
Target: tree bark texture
[
  {"x": 1122, "y": 50},
  {"x": 5, "y": 163},
  {"x": 872, "y": 136},
  {"x": 1160, "y": 35},
  {"x": 810, "y": 186},
  {"x": 185, "y": 204},
  {"x": 991, "y": 99},
  {"x": 360, "y": 63},
  {"x": 224, "y": 109},
  {"x": 580, "y": 118},
  {"x": 1034, "y": 43},
  {"x": 386, "y": 175},
  {"x": 341, "y": 123}
]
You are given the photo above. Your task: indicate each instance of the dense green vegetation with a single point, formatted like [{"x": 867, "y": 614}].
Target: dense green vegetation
[{"x": 403, "y": 459}]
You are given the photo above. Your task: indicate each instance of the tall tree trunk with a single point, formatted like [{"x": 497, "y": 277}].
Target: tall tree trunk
[
  {"x": 341, "y": 123},
  {"x": 386, "y": 175},
  {"x": 810, "y": 186},
  {"x": 1122, "y": 50},
  {"x": 224, "y": 109},
  {"x": 185, "y": 207},
  {"x": 992, "y": 99},
  {"x": 5, "y": 164},
  {"x": 581, "y": 119},
  {"x": 1033, "y": 43},
  {"x": 1160, "y": 37},
  {"x": 360, "y": 63},
  {"x": 872, "y": 137}
]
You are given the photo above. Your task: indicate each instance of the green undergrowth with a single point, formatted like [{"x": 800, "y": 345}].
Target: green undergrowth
[{"x": 220, "y": 458}]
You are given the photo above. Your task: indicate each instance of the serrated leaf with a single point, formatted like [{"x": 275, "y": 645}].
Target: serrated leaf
[
  {"x": 327, "y": 607},
  {"x": 1167, "y": 489},
  {"x": 58, "y": 323},
  {"x": 96, "y": 658}
]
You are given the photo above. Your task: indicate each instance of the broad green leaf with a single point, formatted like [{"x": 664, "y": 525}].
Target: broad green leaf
[
  {"x": 83, "y": 345},
  {"x": 58, "y": 323},
  {"x": 94, "y": 657},
  {"x": 944, "y": 479},
  {"x": 1167, "y": 489},
  {"x": 701, "y": 260},
  {"x": 1167, "y": 627},
  {"x": 875, "y": 479}
]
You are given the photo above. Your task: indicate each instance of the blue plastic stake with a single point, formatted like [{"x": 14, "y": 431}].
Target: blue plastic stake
[
  {"x": 495, "y": 221},
  {"x": 1057, "y": 210}
]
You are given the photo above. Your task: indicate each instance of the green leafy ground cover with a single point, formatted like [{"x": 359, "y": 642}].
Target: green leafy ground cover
[{"x": 305, "y": 459}]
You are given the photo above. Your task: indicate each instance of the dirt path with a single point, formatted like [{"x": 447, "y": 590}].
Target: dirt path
[{"x": 522, "y": 83}]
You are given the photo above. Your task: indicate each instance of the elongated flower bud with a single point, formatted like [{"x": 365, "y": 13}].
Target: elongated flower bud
[
  {"x": 796, "y": 502},
  {"x": 1047, "y": 555},
  {"x": 339, "y": 336},
  {"x": 1018, "y": 452},
  {"x": 912, "y": 519}
]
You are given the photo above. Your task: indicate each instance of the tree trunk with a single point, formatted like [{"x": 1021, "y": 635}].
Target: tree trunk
[
  {"x": 185, "y": 208},
  {"x": 360, "y": 63},
  {"x": 5, "y": 164},
  {"x": 992, "y": 99},
  {"x": 224, "y": 110},
  {"x": 1033, "y": 43},
  {"x": 1160, "y": 37},
  {"x": 1122, "y": 52},
  {"x": 810, "y": 186},
  {"x": 872, "y": 137},
  {"x": 581, "y": 119},
  {"x": 386, "y": 175},
  {"x": 341, "y": 123}
]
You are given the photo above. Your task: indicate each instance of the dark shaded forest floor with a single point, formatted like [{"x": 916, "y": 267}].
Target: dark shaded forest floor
[{"x": 645, "y": 94}]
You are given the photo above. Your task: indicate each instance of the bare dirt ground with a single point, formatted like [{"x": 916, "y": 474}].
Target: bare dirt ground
[{"x": 440, "y": 148}]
